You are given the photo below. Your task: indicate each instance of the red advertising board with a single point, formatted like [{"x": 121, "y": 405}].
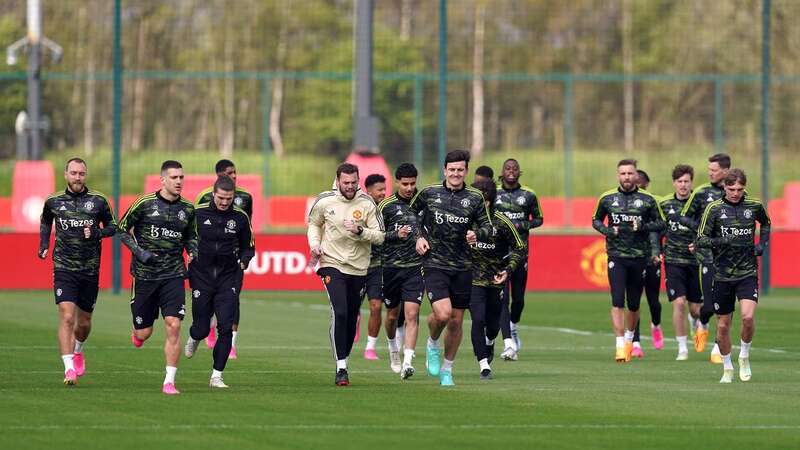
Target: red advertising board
[{"x": 557, "y": 263}]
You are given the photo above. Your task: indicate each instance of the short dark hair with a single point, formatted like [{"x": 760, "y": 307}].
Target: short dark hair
[
  {"x": 627, "y": 162},
  {"x": 456, "y": 156},
  {"x": 374, "y": 178},
  {"x": 170, "y": 164},
  {"x": 224, "y": 183},
  {"x": 485, "y": 171},
  {"x": 735, "y": 176},
  {"x": 346, "y": 168},
  {"x": 681, "y": 170},
  {"x": 405, "y": 170},
  {"x": 643, "y": 175},
  {"x": 723, "y": 159},
  {"x": 77, "y": 160},
  {"x": 223, "y": 164},
  {"x": 488, "y": 188},
  {"x": 510, "y": 160}
]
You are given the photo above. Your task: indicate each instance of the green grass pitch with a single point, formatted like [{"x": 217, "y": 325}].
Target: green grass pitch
[{"x": 566, "y": 391}]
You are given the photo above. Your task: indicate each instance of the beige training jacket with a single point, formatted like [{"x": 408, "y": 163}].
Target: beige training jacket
[{"x": 343, "y": 250}]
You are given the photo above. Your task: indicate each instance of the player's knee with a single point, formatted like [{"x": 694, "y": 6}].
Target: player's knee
[
  {"x": 723, "y": 327},
  {"x": 224, "y": 329},
  {"x": 748, "y": 321},
  {"x": 375, "y": 306}
]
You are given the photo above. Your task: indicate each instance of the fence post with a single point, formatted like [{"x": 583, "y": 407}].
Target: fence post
[
  {"x": 442, "y": 80},
  {"x": 418, "y": 122},
  {"x": 765, "y": 88},
  {"x": 116, "y": 248},
  {"x": 719, "y": 116},
  {"x": 266, "y": 143},
  {"x": 568, "y": 81}
]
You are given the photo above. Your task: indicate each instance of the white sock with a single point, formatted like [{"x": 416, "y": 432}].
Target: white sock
[
  {"x": 629, "y": 335},
  {"x": 682, "y": 344},
  {"x": 654, "y": 327},
  {"x": 508, "y": 342},
  {"x": 408, "y": 355},
  {"x": 78, "y": 346},
  {"x": 726, "y": 362},
  {"x": 67, "y": 362},
  {"x": 448, "y": 365},
  {"x": 371, "y": 341},
  {"x": 513, "y": 326},
  {"x": 170, "y": 377},
  {"x": 637, "y": 344},
  {"x": 433, "y": 343},
  {"x": 400, "y": 334},
  {"x": 216, "y": 373},
  {"x": 233, "y": 339},
  {"x": 701, "y": 326},
  {"x": 341, "y": 364},
  {"x": 484, "y": 364},
  {"x": 393, "y": 345},
  {"x": 620, "y": 342},
  {"x": 489, "y": 341},
  {"x": 745, "y": 351},
  {"x": 715, "y": 350}
]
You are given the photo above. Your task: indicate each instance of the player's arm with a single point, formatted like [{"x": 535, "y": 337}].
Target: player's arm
[
  {"x": 516, "y": 244},
  {"x": 315, "y": 221},
  {"x": 599, "y": 217},
  {"x": 190, "y": 235},
  {"x": 655, "y": 219},
  {"x": 535, "y": 213},
  {"x": 765, "y": 225},
  {"x": 484, "y": 229},
  {"x": 247, "y": 245},
  {"x": 373, "y": 231},
  {"x": 45, "y": 227},
  {"x": 689, "y": 212},
  {"x": 106, "y": 218},
  {"x": 126, "y": 225},
  {"x": 706, "y": 235},
  {"x": 248, "y": 206}
]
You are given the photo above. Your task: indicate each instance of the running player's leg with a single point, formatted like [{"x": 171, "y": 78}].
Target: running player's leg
[
  {"x": 336, "y": 289},
  {"x": 652, "y": 288},
  {"x": 477, "y": 311},
  {"x": 390, "y": 324},
  {"x": 355, "y": 293},
  {"x": 460, "y": 290},
  {"x": 505, "y": 319},
  {"x": 747, "y": 292},
  {"x": 678, "y": 279},
  {"x": 617, "y": 283},
  {"x": 83, "y": 320},
  {"x": 634, "y": 286},
  {"x": 518, "y": 281},
  {"x": 66, "y": 339},
  {"x": 724, "y": 300},
  {"x": 171, "y": 298},
  {"x": 438, "y": 288},
  {"x": 407, "y": 284},
  {"x": 492, "y": 327},
  {"x": 202, "y": 311},
  {"x": 144, "y": 310},
  {"x": 225, "y": 305},
  {"x": 375, "y": 296},
  {"x": 237, "y": 314}
]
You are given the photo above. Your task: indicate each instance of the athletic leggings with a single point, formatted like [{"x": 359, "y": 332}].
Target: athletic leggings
[
  {"x": 484, "y": 308},
  {"x": 344, "y": 294},
  {"x": 652, "y": 288},
  {"x": 516, "y": 287}
]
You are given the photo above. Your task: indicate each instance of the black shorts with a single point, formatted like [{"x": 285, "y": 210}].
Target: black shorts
[
  {"x": 150, "y": 296},
  {"x": 375, "y": 284},
  {"x": 402, "y": 285},
  {"x": 683, "y": 281},
  {"x": 626, "y": 278},
  {"x": 453, "y": 284},
  {"x": 727, "y": 292},
  {"x": 76, "y": 287}
]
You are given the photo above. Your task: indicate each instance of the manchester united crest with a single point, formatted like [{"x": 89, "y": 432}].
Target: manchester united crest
[{"x": 357, "y": 214}]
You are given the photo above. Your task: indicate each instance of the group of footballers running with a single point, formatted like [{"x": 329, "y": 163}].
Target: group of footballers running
[
  {"x": 465, "y": 246},
  {"x": 709, "y": 252},
  {"x": 158, "y": 228}
]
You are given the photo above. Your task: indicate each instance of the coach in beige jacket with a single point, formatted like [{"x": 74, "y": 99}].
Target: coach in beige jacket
[{"x": 343, "y": 224}]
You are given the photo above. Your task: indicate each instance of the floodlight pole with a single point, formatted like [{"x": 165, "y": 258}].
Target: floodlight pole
[
  {"x": 33, "y": 43},
  {"x": 366, "y": 126}
]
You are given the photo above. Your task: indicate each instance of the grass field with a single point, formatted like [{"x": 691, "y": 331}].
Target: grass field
[{"x": 564, "y": 392}]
